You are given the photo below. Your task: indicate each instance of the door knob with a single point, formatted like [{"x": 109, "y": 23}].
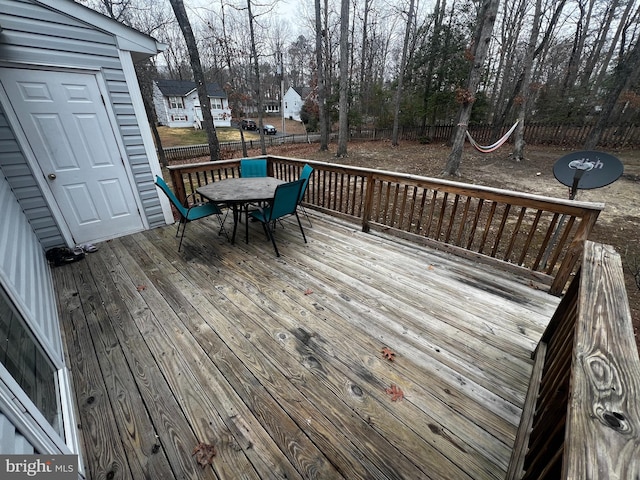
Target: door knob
[{"x": 52, "y": 176}]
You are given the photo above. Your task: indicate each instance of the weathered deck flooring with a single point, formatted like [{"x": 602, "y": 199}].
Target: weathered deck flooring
[{"x": 278, "y": 363}]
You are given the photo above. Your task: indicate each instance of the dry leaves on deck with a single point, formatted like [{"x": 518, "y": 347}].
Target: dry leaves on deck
[
  {"x": 395, "y": 392},
  {"x": 388, "y": 354},
  {"x": 204, "y": 454}
]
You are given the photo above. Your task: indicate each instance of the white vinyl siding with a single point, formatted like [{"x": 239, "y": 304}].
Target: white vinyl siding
[
  {"x": 34, "y": 35},
  {"x": 25, "y": 274}
]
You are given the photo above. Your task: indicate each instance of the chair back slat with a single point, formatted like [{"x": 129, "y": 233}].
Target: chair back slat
[
  {"x": 285, "y": 200},
  {"x": 253, "y": 167},
  {"x": 304, "y": 175},
  {"x": 172, "y": 197}
]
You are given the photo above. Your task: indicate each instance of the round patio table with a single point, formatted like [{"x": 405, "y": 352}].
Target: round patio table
[{"x": 239, "y": 193}]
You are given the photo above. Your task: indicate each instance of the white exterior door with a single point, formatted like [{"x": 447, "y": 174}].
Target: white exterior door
[{"x": 67, "y": 127}]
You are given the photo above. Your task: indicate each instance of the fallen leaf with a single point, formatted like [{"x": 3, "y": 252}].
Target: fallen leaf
[
  {"x": 308, "y": 291},
  {"x": 141, "y": 287},
  {"x": 395, "y": 392},
  {"x": 388, "y": 354},
  {"x": 204, "y": 454}
]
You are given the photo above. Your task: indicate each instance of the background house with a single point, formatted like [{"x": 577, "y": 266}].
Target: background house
[
  {"x": 294, "y": 99},
  {"x": 177, "y": 104},
  {"x": 77, "y": 165}
]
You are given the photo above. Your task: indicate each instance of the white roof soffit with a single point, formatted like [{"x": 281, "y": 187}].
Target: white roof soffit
[{"x": 127, "y": 38}]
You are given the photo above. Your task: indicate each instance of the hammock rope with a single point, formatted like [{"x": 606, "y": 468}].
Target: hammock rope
[{"x": 495, "y": 146}]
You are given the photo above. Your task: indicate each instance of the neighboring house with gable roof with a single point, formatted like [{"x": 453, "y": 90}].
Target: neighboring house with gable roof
[
  {"x": 177, "y": 104},
  {"x": 294, "y": 100}
]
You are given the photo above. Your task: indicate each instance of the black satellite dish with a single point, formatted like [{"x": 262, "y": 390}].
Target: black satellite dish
[{"x": 587, "y": 170}]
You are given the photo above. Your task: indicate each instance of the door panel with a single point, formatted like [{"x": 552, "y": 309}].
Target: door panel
[{"x": 68, "y": 129}]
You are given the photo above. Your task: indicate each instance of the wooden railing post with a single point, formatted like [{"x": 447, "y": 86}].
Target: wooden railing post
[
  {"x": 368, "y": 203},
  {"x": 178, "y": 185}
]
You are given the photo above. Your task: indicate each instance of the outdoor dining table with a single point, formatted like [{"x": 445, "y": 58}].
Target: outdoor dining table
[{"x": 239, "y": 193}]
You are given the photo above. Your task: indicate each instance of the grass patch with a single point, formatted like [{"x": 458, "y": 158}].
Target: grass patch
[{"x": 174, "y": 137}]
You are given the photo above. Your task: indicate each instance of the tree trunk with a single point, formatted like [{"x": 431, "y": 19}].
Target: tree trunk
[
  {"x": 343, "y": 132},
  {"x": 518, "y": 151},
  {"x": 484, "y": 27},
  {"x": 322, "y": 102},
  {"x": 256, "y": 72},
  {"x": 364, "y": 84},
  {"x": 198, "y": 77},
  {"x": 403, "y": 62}
]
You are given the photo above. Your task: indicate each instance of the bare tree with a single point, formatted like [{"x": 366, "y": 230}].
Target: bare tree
[
  {"x": 628, "y": 68},
  {"x": 256, "y": 71},
  {"x": 322, "y": 99},
  {"x": 518, "y": 151},
  {"x": 622, "y": 24},
  {"x": 343, "y": 132},
  {"x": 403, "y": 63},
  {"x": 198, "y": 77},
  {"x": 538, "y": 52},
  {"x": 484, "y": 26}
]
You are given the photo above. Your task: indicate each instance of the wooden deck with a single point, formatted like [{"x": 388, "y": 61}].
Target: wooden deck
[{"x": 278, "y": 362}]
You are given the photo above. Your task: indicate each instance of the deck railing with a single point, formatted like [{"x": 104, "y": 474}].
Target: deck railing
[
  {"x": 581, "y": 417},
  {"x": 540, "y": 237}
]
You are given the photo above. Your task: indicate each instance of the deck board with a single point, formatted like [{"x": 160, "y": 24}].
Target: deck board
[{"x": 277, "y": 361}]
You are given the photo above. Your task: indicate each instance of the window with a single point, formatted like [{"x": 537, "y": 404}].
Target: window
[
  {"x": 178, "y": 118},
  {"x": 216, "y": 103},
  {"x": 176, "y": 102},
  {"x": 28, "y": 364}
]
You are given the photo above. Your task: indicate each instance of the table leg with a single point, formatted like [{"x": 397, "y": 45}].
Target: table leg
[
  {"x": 235, "y": 222},
  {"x": 246, "y": 221}
]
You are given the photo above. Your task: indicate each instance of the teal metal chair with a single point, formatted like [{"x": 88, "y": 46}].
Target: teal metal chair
[
  {"x": 253, "y": 167},
  {"x": 285, "y": 202},
  {"x": 189, "y": 213},
  {"x": 306, "y": 172}
]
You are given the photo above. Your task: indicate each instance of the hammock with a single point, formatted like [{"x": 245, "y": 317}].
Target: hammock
[{"x": 495, "y": 146}]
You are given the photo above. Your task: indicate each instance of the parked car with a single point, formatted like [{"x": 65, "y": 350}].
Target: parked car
[
  {"x": 248, "y": 124},
  {"x": 269, "y": 129}
]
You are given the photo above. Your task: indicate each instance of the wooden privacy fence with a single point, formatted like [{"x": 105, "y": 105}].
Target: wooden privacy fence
[
  {"x": 564, "y": 135},
  {"x": 572, "y": 136},
  {"x": 581, "y": 418},
  {"x": 540, "y": 237}
]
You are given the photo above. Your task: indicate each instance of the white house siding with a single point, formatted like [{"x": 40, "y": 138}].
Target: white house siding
[
  {"x": 33, "y": 35},
  {"x": 164, "y": 114},
  {"x": 25, "y": 274},
  {"x": 292, "y": 104},
  {"x": 15, "y": 168}
]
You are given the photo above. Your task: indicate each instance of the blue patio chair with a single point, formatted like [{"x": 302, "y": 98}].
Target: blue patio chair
[
  {"x": 253, "y": 167},
  {"x": 189, "y": 213},
  {"x": 304, "y": 175},
  {"x": 285, "y": 202}
]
